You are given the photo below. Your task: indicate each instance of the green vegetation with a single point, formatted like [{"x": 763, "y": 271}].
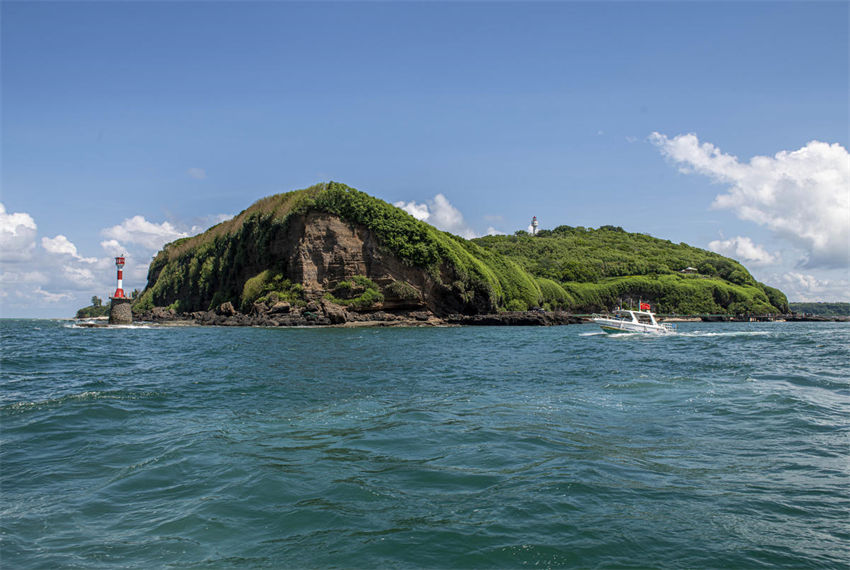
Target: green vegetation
[
  {"x": 822, "y": 309},
  {"x": 404, "y": 291},
  {"x": 601, "y": 268},
  {"x": 96, "y": 309},
  {"x": 243, "y": 261},
  {"x": 266, "y": 286},
  {"x": 359, "y": 292},
  {"x": 555, "y": 297}
]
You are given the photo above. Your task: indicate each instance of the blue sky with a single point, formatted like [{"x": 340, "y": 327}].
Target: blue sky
[{"x": 126, "y": 125}]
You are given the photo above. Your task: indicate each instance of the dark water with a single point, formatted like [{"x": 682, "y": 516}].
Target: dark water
[{"x": 725, "y": 446}]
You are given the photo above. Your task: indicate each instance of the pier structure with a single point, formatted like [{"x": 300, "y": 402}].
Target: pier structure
[{"x": 120, "y": 312}]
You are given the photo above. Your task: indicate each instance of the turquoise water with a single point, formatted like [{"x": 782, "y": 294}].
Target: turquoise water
[{"x": 727, "y": 445}]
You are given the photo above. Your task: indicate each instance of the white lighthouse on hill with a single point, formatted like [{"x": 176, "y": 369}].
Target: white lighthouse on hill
[{"x": 534, "y": 225}]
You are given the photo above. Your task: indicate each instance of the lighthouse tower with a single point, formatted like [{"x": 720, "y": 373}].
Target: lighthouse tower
[
  {"x": 534, "y": 225},
  {"x": 119, "y": 292},
  {"x": 120, "y": 312}
]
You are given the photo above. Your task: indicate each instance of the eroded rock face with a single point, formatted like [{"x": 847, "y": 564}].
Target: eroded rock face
[
  {"x": 319, "y": 250},
  {"x": 323, "y": 250}
]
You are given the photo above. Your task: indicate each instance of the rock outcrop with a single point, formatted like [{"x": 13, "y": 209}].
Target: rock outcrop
[
  {"x": 327, "y": 313},
  {"x": 321, "y": 250}
]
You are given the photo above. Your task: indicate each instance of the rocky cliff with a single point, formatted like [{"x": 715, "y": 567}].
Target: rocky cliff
[{"x": 296, "y": 249}]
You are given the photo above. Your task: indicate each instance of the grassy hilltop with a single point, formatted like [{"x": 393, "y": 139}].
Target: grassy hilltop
[
  {"x": 566, "y": 268},
  {"x": 591, "y": 269}
]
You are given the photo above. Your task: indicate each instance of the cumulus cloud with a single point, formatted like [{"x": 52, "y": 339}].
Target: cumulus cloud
[
  {"x": 113, "y": 247},
  {"x": 140, "y": 231},
  {"x": 17, "y": 236},
  {"x": 491, "y": 231},
  {"x": 197, "y": 173},
  {"x": 418, "y": 211},
  {"x": 440, "y": 213},
  {"x": 805, "y": 287},
  {"x": 802, "y": 195},
  {"x": 61, "y": 245},
  {"x": 743, "y": 249}
]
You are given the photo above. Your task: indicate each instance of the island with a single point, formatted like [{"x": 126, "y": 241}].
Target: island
[{"x": 332, "y": 255}]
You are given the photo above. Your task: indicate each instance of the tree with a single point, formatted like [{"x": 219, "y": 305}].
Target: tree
[{"x": 95, "y": 301}]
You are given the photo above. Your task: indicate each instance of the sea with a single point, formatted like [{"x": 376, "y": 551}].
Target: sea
[{"x": 726, "y": 445}]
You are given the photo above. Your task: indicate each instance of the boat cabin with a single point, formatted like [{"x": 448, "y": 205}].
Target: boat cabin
[{"x": 642, "y": 317}]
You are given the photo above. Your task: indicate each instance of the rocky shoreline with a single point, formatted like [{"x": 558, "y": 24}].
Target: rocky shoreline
[{"x": 326, "y": 313}]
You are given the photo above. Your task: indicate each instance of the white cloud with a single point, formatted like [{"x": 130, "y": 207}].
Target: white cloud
[
  {"x": 197, "y": 173},
  {"x": 140, "y": 231},
  {"x": 743, "y": 249},
  {"x": 113, "y": 247},
  {"x": 418, "y": 211},
  {"x": 802, "y": 195},
  {"x": 51, "y": 297},
  {"x": 20, "y": 277},
  {"x": 491, "y": 231},
  {"x": 61, "y": 245},
  {"x": 17, "y": 236},
  {"x": 440, "y": 213},
  {"x": 804, "y": 287},
  {"x": 79, "y": 277}
]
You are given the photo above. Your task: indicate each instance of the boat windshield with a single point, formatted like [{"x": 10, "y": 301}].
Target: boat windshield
[{"x": 634, "y": 317}]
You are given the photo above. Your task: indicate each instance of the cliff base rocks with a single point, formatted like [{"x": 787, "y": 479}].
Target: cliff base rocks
[{"x": 326, "y": 313}]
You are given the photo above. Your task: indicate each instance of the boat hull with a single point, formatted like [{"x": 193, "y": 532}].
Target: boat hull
[{"x": 612, "y": 328}]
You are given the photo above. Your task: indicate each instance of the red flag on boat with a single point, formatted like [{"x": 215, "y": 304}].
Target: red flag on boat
[{"x": 644, "y": 306}]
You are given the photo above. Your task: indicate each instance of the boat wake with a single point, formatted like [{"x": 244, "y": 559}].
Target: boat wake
[
  {"x": 90, "y": 325},
  {"x": 726, "y": 333}
]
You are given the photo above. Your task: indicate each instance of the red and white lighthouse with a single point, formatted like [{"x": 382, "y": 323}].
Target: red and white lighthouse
[{"x": 119, "y": 263}]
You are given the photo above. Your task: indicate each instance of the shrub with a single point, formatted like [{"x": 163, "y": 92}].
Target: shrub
[
  {"x": 403, "y": 290},
  {"x": 253, "y": 288},
  {"x": 554, "y": 296},
  {"x": 362, "y": 293}
]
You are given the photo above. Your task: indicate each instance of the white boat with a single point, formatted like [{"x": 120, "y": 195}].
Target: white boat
[{"x": 630, "y": 321}]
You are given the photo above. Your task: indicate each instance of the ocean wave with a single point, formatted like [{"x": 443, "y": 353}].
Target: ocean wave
[
  {"x": 88, "y": 325},
  {"x": 725, "y": 333},
  {"x": 87, "y": 396}
]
